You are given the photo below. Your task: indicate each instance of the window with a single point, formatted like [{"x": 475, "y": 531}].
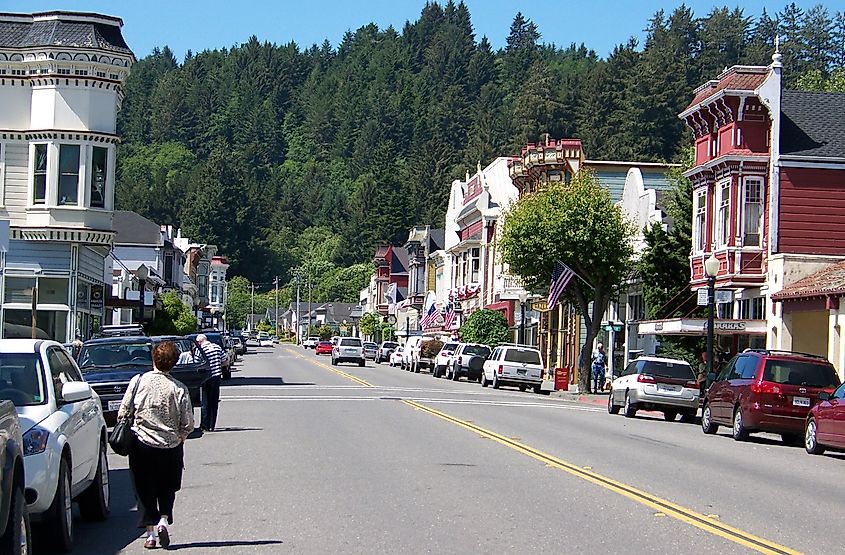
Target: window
[
  {"x": 168, "y": 268},
  {"x": 637, "y": 307},
  {"x": 39, "y": 174},
  {"x": 524, "y": 356},
  {"x": 20, "y": 379},
  {"x": 795, "y": 372},
  {"x": 68, "y": 174},
  {"x": 19, "y": 289},
  {"x": 49, "y": 324},
  {"x": 52, "y": 290},
  {"x": 81, "y": 72},
  {"x": 213, "y": 293},
  {"x": 723, "y": 216},
  {"x": 97, "y": 186},
  {"x": 680, "y": 370},
  {"x": 752, "y": 212},
  {"x": 700, "y": 224},
  {"x": 475, "y": 265},
  {"x": 752, "y": 309},
  {"x": 101, "y": 74},
  {"x": 746, "y": 367}
]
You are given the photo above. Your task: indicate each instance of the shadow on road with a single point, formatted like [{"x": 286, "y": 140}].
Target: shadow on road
[
  {"x": 236, "y": 429},
  {"x": 259, "y": 380},
  {"x": 232, "y": 543}
]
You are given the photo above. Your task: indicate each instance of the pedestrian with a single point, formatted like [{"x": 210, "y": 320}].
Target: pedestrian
[
  {"x": 599, "y": 361},
  {"x": 701, "y": 378},
  {"x": 163, "y": 418},
  {"x": 76, "y": 347},
  {"x": 211, "y": 388}
]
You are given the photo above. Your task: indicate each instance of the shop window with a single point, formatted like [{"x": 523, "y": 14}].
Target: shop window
[
  {"x": 68, "y": 174},
  {"x": 752, "y": 217},
  {"x": 52, "y": 290},
  {"x": 723, "y": 215},
  {"x": 49, "y": 324},
  {"x": 19, "y": 289},
  {"x": 39, "y": 174},
  {"x": 700, "y": 228},
  {"x": 97, "y": 186}
]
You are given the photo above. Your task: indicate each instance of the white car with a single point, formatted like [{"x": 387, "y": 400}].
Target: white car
[
  {"x": 396, "y": 356},
  {"x": 443, "y": 360},
  {"x": 653, "y": 383},
  {"x": 311, "y": 342},
  {"x": 348, "y": 349},
  {"x": 65, "y": 457},
  {"x": 518, "y": 365}
]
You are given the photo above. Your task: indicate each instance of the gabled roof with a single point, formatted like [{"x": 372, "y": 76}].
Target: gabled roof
[
  {"x": 400, "y": 262},
  {"x": 829, "y": 281},
  {"x": 62, "y": 29},
  {"x": 436, "y": 240},
  {"x": 813, "y": 124},
  {"x": 132, "y": 228}
]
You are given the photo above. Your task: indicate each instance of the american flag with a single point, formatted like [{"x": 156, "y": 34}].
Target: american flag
[
  {"x": 429, "y": 318},
  {"x": 449, "y": 318},
  {"x": 561, "y": 276}
]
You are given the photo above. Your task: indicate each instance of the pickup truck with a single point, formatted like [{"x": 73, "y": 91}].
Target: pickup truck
[{"x": 14, "y": 519}]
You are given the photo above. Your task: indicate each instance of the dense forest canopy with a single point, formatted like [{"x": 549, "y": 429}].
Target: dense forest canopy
[{"x": 251, "y": 147}]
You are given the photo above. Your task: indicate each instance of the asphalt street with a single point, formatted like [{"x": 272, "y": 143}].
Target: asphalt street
[{"x": 310, "y": 458}]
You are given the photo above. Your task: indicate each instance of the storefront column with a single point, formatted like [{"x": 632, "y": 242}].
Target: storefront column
[{"x": 835, "y": 348}]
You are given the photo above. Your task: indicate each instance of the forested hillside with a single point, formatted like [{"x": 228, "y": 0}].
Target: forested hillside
[{"x": 250, "y": 146}]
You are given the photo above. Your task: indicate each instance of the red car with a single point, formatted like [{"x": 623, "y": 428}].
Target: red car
[
  {"x": 767, "y": 391},
  {"x": 826, "y": 423},
  {"x": 324, "y": 348}
]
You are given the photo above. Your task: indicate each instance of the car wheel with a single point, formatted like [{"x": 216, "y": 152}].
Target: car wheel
[
  {"x": 811, "y": 443},
  {"x": 59, "y": 520},
  {"x": 630, "y": 408},
  {"x": 16, "y": 539},
  {"x": 495, "y": 381},
  {"x": 538, "y": 389},
  {"x": 688, "y": 417},
  {"x": 611, "y": 408},
  {"x": 522, "y": 387},
  {"x": 362, "y": 362},
  {"x": 484, "y": 381},
  {"x": 707, "y": 424},
  {"x": 670, "y": 415},
  {"x": 455, "y": 376},
  {"x": 739, "y": 432},
  {"x": 94, "y": 501}
]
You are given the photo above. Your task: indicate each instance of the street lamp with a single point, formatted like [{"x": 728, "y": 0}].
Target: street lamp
[
  {"x": 523, "y": 296},
  {"x": 142, "y": 273},
  {"x": 711, "y": 269}
]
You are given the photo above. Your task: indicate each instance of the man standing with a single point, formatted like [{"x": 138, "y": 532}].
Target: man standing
[
  {"x": 598, "y": 365},
  {"x": 211, "y": 388}
]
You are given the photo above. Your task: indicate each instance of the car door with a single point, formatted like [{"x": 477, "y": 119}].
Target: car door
[
  {"x": 834, "y": 419},
  {"x": 718, "y": 392},
  {"x": 73, "y": 426},
  {"x": 618, "y": 390}
]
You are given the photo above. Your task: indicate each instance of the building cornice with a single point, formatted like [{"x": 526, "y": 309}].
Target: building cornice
[
  {"x": 58, "y": 135},
  {"x": 53, "y": 234}
]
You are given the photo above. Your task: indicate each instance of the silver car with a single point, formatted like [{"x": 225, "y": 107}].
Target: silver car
[
  {"x": 653, "y": 383},
  {"x": 348, "y": 349}
]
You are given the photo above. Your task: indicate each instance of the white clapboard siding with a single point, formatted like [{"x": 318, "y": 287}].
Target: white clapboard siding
[
  {"x": 91, "y": 260},
  {"x": 37, "y": 256},
  {"x": 17, "y": 178}
]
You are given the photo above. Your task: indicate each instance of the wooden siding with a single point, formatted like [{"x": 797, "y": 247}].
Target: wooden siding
[
  {"x": 37, "y": 256},
  {"x": 16, "y": 178},
  {"x": 812, "y": 211},
  {"x": 91, "y": 262}
]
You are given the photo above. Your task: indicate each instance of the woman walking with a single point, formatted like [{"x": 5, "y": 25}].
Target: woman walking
[{"x": 163, "y": 418}]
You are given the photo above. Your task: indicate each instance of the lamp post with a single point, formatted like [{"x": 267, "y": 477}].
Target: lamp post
[
  {"x": 523, "y": 296},
  {"x": 711, "y": 269},
  {"x": 142, "y": 273}
]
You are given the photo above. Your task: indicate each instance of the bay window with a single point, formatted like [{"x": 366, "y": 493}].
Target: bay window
[
  {"x": 752, "y": 212},
  {"x": 699, "y": 230},
  {"x": 39, "y": 174},
  {"x": 723, "y": 214},
  {"x": 68, "y": 174}
]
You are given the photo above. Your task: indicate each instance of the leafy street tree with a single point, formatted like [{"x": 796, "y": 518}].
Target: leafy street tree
[
  {"x": 370, "y": 324},
  {"x": 579, "y": 225},
  {"x": 175, "y": 318},
  {"x": 488, "y": 327}
]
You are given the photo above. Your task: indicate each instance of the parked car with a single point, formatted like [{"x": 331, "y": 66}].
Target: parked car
[
  {"x": 767, "y": 391},
  {"x": 64, "y": 438},
  {"x": 444, "y": 359},
  {"x": 410, "y": 351},
  {"x": 468, "y": 360},
  {"x": 348, "y": 349},
  {"x": 109, "y": 363},
  {"x": 385, "y": 350},
  {"x": 311, "y": 342},
  {"x": 517, "y": 365},
  {"x": 396, "y": 356},
  {"x": 324, "y": 348},
  {"x": 274, "y": 339},
  {"x": 825, "y": 426},
  {"x": 240, "y": 344},
  {"x": 653, "y": 383},
  {"x": 265, "y": 340},
  {"x": 370, "y": 350},
  {"x": 14, "y": 517},
  {"x": 228, "y": 360}
]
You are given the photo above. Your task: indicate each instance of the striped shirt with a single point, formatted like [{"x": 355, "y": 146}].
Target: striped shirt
[{"x": 214, "y": 353}]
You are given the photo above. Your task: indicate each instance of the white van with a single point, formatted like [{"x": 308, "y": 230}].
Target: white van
[{"x": 411, "y": 351}]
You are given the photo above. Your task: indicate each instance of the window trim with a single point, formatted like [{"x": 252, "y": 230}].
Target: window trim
[
  {"x": 722, "y": 221},
  {"x": 80, "y": 156},
  {"x": 700, "y": 209},
  {"x": 89, "y": 177},
  {"x": 33, "y": 147},
  {"x": 757, "y": 180}
]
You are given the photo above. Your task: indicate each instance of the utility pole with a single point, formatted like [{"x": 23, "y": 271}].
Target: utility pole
[
  {"x": 251, "y": 306},
  {"x": 298, "y": 321},
  {"x": 276, "y": 314},
  {"x": 309, "y": 304}
]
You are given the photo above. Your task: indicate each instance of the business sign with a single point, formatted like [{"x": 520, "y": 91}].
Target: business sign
[
  {"x": 729, "y": 325},
  {"x": 96, "y": 297}
]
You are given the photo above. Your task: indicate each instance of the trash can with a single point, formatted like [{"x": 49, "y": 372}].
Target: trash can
[{"x": 562, "y": 379}]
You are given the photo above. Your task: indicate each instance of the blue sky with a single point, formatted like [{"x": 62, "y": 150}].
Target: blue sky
[{"x": 198, "y": 25}]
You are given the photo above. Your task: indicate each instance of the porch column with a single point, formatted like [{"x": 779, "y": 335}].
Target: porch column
[{"x": 835, "y": 348}]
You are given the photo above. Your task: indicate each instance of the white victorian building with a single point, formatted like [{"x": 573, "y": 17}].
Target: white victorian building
[{"x": 61, "y": 85}]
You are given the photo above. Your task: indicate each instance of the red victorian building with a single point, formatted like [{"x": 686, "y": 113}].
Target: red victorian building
[{"x": 769, "y": 204}]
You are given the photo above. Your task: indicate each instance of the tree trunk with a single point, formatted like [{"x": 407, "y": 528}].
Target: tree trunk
[{"x": 592, "y": 319}]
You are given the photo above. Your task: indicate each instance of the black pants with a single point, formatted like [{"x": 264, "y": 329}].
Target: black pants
[
  {"x": 157, "y": 474},
  {"x": 210, "y": 401}
]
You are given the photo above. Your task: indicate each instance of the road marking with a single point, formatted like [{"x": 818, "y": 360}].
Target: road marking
[
  {"x": 260, "y": 397},
  {"x": 667, "y": 507},
  {"x": 337, "y": 371}
]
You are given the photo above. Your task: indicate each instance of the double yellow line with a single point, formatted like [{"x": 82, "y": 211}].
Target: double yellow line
[{"x": 693, "y": 518}]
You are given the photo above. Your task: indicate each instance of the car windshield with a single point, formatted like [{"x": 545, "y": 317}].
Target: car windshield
[
  {"x": 370, "y": 345},
  {"x": 477, "y": 350},
  {"x": 111, "y": 355},
  {"x": 666, "y": 369},
  {"x": 21, "y": 379},
  {"x": 189, "y": 353},
  {"x": 449, "y": 347},
  {"x": 350, "y": 342},
  {"x": 524, "y": 356},
  {"x": 389, "y": 345},
  {"x": 797, "y": 372}
]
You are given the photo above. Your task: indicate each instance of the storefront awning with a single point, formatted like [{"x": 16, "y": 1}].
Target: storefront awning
[
  {"x": 829, "y": 282},
  {"x": 698, "y": 326}
]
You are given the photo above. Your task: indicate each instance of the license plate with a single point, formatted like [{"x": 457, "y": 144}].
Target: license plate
[
  {"x": 114, "y": 405},
  {"x": 349, "y": 350},
  {"x": 801, "y": 401},
  {"x": 672, "y": 388}
]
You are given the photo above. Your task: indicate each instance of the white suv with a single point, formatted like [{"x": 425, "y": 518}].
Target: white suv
[
  {"x": 348, "y": 349},
  {"x": 653, "y": 383},
  {"x": 518, "y": 365},
  {"x": 64, "y": 438}
]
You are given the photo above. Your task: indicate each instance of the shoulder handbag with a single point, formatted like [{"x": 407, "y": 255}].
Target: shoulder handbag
[{"x": 122, "y": 436}]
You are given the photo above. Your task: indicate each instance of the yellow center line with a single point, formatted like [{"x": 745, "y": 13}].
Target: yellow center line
[
  {"x": 337, "y": 371},
  {"x": 706, "y": 523}
]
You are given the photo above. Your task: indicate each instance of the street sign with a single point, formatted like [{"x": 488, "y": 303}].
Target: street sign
[{"x": 702, "y": 297}]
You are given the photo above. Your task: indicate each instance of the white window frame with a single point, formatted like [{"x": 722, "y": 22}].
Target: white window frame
[
  {"x": 699, "y": 228},
  {"x": 752, "y": 180},
  {"x": 723, "y": 214}
]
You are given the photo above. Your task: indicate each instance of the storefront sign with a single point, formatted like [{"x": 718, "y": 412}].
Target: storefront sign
[
  {"x": 737, "y": 325},
  {"x": 96, "y": 297},
  {"x": 540, "y": 305}
]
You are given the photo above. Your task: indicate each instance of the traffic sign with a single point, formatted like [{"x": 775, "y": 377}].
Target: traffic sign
[{"x": 702, "y": 297}]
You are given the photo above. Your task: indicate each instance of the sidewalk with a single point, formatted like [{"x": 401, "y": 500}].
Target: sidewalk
[{"x": 586, "y": 398}]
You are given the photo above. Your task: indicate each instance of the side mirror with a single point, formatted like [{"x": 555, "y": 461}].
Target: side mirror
[
  {"x": 73, "y": 392},
  {"x": 824, "y": 396}
]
